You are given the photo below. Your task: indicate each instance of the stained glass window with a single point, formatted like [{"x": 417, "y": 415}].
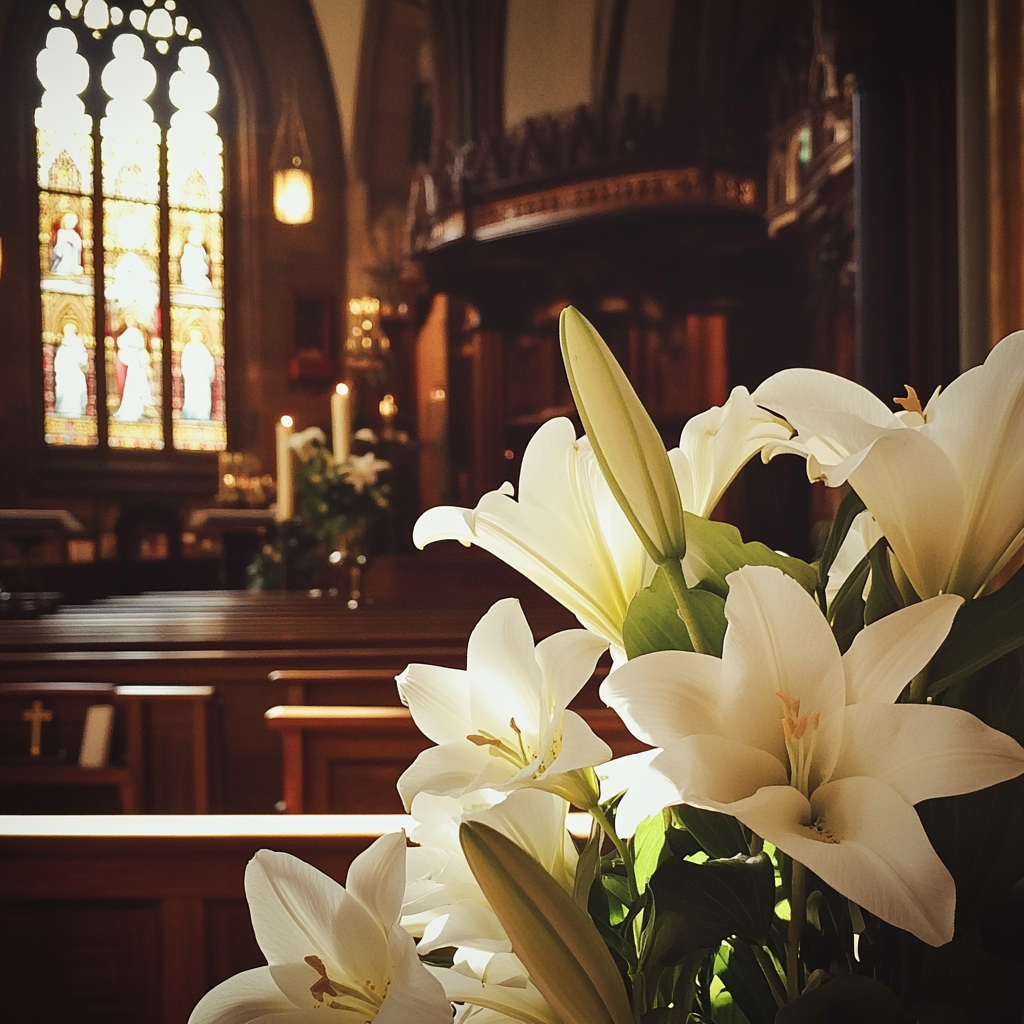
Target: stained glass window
[{"x": 142, "y": 156}]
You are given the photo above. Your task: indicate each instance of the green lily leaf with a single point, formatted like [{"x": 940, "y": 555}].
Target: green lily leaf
[
  {"x": 850, "y": 999},
  {"x": 650, "y": 849},
  {"x": 716, "y": 900},
  {"x": 984, "y": 629},
  {"x": 850, "y": 507},
  {"x": 716, "y": 549},
  {"x": 846, "y": 612},
  {"x": 652, "y": 620},
  {"x": 884, "y": 596},
  {"x": 556, "y": 940},
  {"x": 746, "y": 983},
  {"x": 587, "y": 867},
  {"x": 625, "y": 440},
  {"x": 719, "y": 835}
]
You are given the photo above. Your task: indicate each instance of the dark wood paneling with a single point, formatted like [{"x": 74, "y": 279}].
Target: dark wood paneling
[
  {"x": 95, "y": 963},
  {"x": 132, "y": 929}
]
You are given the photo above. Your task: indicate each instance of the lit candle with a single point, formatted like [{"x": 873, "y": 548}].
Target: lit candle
[
  {"x": 339, "y": 422},
  {"x": 285, "y": 497}
]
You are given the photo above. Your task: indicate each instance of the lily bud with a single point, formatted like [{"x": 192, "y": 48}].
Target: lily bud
[
  {"x": 555, "y": 939},
  {"x": 626, "y": 442}
]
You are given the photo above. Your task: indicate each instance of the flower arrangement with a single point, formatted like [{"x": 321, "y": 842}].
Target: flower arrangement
[
  {"x": 337, "y": 503},
  {"x": 828, "y": 824}
]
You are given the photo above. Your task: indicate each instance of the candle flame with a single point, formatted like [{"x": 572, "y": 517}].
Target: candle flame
[
  {"x": 287, "y": 421},
  {"x": 342, "y": 389}
]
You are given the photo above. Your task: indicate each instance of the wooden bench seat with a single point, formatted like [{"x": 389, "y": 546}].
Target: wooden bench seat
[
  {"x": 131, "y": 772},
  {"x": 344, "y": 759}
]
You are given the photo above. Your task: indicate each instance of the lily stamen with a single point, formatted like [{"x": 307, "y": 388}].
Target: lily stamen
[
  {"x": 500, "y": 748},
  {"x": 800, "y": 743},
  {"x": 519, "y": 736},
  {"x": 911, "y": 403},
  {"x": 359, "y": 999}
]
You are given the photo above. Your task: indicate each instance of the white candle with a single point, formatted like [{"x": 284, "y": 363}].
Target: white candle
[
  {"x": 285, "y": 486},
  {"x": 340, "y": 428}
]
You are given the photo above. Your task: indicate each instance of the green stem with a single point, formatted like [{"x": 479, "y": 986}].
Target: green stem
[
  {"x": 622, "y": 847},
  {"x": 674, "y": 574},
  {"x": 919, "y": 687},
  {"x": 797, "y": 919},
  {"x": 770, "y": 972}
]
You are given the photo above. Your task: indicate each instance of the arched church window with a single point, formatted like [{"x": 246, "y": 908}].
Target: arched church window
[{"x": 131, "y": 184}]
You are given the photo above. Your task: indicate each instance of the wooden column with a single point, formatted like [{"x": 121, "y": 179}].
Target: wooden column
[{"x": 1005, "y": 167}]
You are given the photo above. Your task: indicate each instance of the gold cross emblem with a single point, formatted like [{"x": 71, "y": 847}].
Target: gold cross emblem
[{"x": 37, "y": 714}]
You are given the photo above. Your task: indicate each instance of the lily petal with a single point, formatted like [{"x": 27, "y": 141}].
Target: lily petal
[
  {"x": 438, "y": 699},
  {"x": 241, "y": 999},
  {"x": 649, "y": 696},
  {"x": 414, "y": 993},
  {"x": 886, "y": 655},
  {"x": 914, "y": 492},
  {"x": 567, "y": 661},
  {"x": 500, "y": 660},
  {"x": 377, "y": 878},
  {"x": 715, "y": 445},
  {"x": 778, "y": 637},
  {"x": 298, "y": 911},
  {"x": 524, "y": 1004},
  {"x": 882, "y": 861},
  {"x": 450, "y": 769},
  {"x": 819, "y": 403},
  {"x": 712, "y": 772},
  {"x": 924, "y": 751}
]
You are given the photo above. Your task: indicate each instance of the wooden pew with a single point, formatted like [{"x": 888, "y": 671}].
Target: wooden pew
[
  {"x": 348, "y": 759},
  {"x": 135, "y": 918},
  {"x": 131, "y": 769},
  {"x": 425, "y": 610}
]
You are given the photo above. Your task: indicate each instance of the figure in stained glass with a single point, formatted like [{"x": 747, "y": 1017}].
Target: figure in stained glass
[
  {"x": 133, "y": 355},
  {"x": 198, "y": 372},
  {"x": 194, "y": 263},
  {"x": 71, "y": 392},
  {"x": 66, "y": 254}
]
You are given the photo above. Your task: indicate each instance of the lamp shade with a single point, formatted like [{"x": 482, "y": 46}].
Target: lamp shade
[{"x": 293, "y": 195}]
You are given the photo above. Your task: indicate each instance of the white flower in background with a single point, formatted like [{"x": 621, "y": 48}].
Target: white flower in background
[
  {"x": 944, "y": 482},
  {"x": 862, "y": 536},
  {"x": 333, "y": 954},
  {"x": 502, "y": 722},
  {"x": 444, "y": 904},
  {"x": 306, "y": 441},
  {"x": 566, "y": 532},
  {"x": 715, "y": 445},
  {"x": 806, "y": 747},
  {"x": 362, "y": 470},
  {"x": 495, "y": 988}
]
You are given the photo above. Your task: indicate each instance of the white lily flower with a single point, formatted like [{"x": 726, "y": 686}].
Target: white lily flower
[
  {"x": 495, "y": 988},
  {"x": 943, "y": 482},
  {"x": 306, "y": 441},
  {"x": 806, "y": 748},
  {"x": 566, "y": 532},
  {"x": 333, "y": 954},
  {"x": 443, "y": 900},
  {"x": 716, "y": 444},
  {"x": 361, "y": 471},
  {"x": 863, "y": 535},
  {"x": 502, "y": 723}
]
